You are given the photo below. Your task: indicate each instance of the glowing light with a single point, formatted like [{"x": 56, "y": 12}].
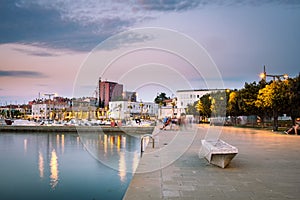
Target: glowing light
[{"x": 262, "y": 75}]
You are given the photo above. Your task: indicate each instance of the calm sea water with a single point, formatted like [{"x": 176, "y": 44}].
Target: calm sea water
[{"x": 59, "y": 166}]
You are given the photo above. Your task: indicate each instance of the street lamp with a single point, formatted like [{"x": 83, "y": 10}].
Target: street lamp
[{"x": 264, "y": 76}]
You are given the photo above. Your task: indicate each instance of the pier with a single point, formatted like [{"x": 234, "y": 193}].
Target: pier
[{"x": 267, "y": 167}]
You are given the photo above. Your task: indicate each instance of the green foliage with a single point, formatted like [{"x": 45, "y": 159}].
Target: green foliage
[
  {"x": 206, "y": 102},
  {"x": 159, "y": 99},
  {"x": 218, "y": 103},
  {"x": 199, "y": 107}
]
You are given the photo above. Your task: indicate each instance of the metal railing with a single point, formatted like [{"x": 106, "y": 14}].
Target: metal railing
[{"x": 142, "y": 142}]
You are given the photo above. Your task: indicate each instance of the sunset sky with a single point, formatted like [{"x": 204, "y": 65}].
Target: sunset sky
[{"x": 45, "y": 45}]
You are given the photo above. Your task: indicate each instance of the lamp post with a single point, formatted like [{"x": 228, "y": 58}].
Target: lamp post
[{"x": 264, "y": 76}]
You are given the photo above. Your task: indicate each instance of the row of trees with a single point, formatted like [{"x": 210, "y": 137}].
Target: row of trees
[{"x": 264, "y": 99}]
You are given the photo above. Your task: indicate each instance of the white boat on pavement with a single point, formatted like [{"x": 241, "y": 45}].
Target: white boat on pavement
[{"x": 218, "y": 152}]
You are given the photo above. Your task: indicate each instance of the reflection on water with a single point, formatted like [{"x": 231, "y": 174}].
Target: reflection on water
[
  {"x": 41, "y": 165},
  {"x": 53, "y": 169},
  {"x": 25, "y": 145},
  {"x": 122, "y": 167},
  {"x": 61, "y": 163},
  {"x": 117, "y": 151}
]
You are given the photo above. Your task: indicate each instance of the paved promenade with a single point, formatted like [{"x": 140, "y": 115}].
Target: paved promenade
[{"x": 266, "y": 167}]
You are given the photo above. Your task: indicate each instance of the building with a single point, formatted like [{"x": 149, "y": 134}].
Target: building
[
  {"x": 129, "y": 96},
  {"x": 40, "y": 110},
  {"x": 109, "y": 91},
  {"x": 127, "y": 109},
  {"x": 83, "y": 108},
  {"x": 185, "y": 97},
  {"x": 170, "y": 109},
  {"x": 49, "y": 108}
]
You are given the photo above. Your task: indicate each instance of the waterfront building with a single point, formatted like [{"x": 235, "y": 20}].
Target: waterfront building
[
  {"x": 49, "y": 108},
  {"x": 40, "y": 110},
  {"x": 127, "y": 109},
  {"x": 109, "y": 91},
  {"x": 169, "y": 110},
  {"x": 15, "y": 111},
  {"x": 185, "y": 97},
  {"x": 83, "y": 108}
]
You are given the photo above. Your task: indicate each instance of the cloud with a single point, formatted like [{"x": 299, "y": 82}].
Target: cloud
[
  {"x": 82, "y": 24},
  {"x": 21, "y": 74},
  {"x": 40, "y": 53}
]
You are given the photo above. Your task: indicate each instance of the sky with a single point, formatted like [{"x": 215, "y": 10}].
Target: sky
[{"x": 59, "y": 46}]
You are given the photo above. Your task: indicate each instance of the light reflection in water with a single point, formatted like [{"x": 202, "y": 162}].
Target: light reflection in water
[
  {"x": 119, "y": 143},
  {"x": 78, "y": 141},
  {"x": 57, "y": 141},
  {"x": 62, "y": 143},
  {"x": 50, "y": 157},
  {"x": 105, "y": 143},
  {"x": 135, "y": 161},
  {"x": 117, "y": 151},
  {"x": 41, "y": 165},
  {"x": 122, "y": 167},
  {"x": 53, "y": 170},
  {"x": 25, "y": 145}
]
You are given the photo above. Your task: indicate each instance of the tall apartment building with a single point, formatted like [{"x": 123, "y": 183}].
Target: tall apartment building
[{"x": 109, "y": 91}]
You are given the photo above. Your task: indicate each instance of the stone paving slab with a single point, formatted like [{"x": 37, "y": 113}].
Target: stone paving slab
[{"x": 267, "y": 167}]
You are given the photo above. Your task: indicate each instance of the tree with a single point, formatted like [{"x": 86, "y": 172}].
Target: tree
[
  {"x": 191, "y": 109},
  {"x": 233, "y": 105},
  {"x": 159, "y": 99},
  {"x": 294, "y": 98},
  {"x": 247, "y": 98},
  {"x": 199, "y": 107},
  {"x": 274, "y": 98},
  {"x": 206, "y": 102},
  {"x": 218, "y": 103}
]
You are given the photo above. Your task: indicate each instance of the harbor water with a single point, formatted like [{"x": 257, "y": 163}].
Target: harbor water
[{"x": 66, "y": 166}]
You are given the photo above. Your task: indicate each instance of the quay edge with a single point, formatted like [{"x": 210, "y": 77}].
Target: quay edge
[{"x": 81, "y": 129}]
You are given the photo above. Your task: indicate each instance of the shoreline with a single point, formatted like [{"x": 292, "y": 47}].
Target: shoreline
[{"x": 72, "y": 129}]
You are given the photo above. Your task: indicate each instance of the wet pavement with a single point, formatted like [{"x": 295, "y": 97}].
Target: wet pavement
[{"x": 266, "y": 167}]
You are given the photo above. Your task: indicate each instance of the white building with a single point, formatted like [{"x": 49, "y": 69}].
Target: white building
[
  {"x": 126, "y": 109},
  {"x": 40, "y": 110},
  {"x": 185, "y": 97}
]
